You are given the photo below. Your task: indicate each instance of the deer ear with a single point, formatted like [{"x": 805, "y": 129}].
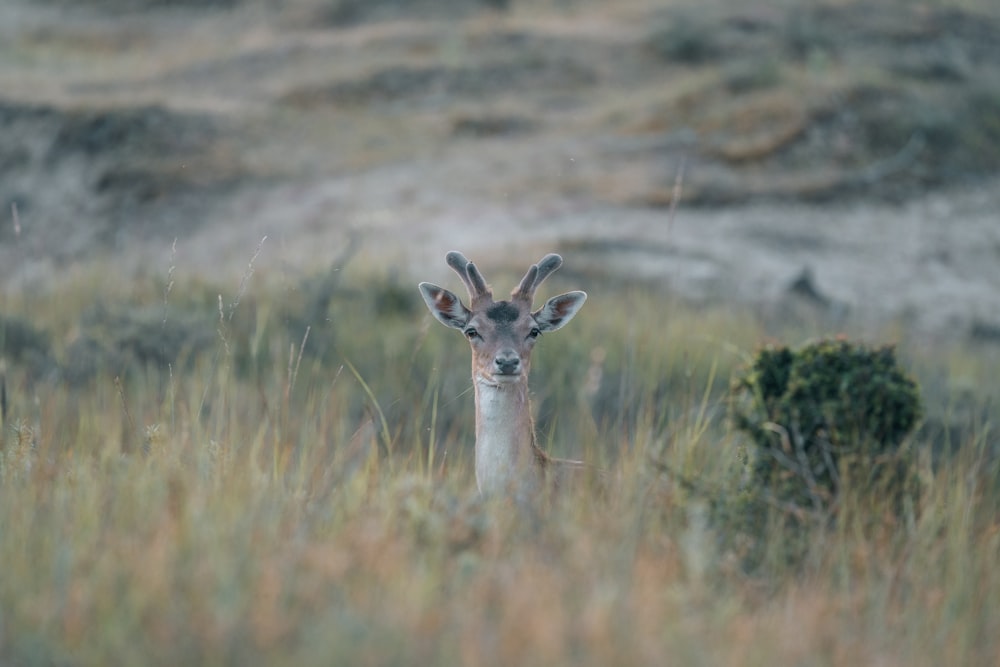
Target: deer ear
[
  {"x": 559, "y": 310},
  {"x": 445, "y": 306}
]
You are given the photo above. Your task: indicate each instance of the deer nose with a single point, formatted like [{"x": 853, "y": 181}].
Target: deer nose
[{"x": 507, "y": 362}]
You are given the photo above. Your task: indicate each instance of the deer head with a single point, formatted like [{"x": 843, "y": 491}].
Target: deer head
[{"x": 501, "y": 333}]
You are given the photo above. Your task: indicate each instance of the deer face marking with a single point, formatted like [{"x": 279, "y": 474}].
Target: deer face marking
[
  {"x": 501, "y": 333},
  {"x": 501, "y": 340}
]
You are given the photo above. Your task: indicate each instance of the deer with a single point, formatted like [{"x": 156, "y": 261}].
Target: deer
[{"x": 502, "y": 335}]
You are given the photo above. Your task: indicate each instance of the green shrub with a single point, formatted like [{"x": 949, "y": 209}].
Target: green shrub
[
  {"x": 22, "y": 342},
  {"x": 826, "y": 426},
  {"x": 826, "y": 418}
]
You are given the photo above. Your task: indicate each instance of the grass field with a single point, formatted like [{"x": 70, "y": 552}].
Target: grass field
[
  {"x": 297, "y": 488},
  {"x": 279, "y": 471}
]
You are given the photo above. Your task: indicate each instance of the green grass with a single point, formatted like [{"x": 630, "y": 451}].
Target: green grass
[{"x": 269, "y": 502}]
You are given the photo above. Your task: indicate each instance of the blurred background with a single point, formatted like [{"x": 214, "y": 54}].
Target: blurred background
[
  {"x": 231, "y": 433},
  {"x": 839, "y": 155}
]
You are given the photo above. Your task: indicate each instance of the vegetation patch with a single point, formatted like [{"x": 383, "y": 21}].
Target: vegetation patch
[
  {"x": 827, "y": 423},
  {"x": 284, "y": 511},
  {"x": 885, "y": 102},
  {"x": 119, "y": 169},
  {"x": 348, "y": 12},
  {"x": 140, "y": 5},
  {"x": 442, "y": 82},
  {"x": 21, "y": 342},
  {"x": 478, "y": 126},
  {"x": 128, "y": 339}
]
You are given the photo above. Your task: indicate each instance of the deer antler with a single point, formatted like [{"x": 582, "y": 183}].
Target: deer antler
[
  {"x": 470, "y": 275},
  {"x": 534, "y": 277}
]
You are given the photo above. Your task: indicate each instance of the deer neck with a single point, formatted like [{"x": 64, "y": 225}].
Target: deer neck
[{"x": 507, "y": 458}]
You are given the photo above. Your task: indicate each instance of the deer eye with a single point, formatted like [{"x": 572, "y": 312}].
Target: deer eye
[
  {"x": 471, "y": 334},
  {"x": 535, "y": 333}
]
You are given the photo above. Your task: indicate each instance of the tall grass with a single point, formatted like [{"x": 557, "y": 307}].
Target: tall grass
[{"x": 284, "y": 498}]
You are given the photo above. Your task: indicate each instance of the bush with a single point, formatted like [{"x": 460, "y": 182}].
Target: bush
[
  {"x": 827, "y": 426},
  {"x": 829, "y": 417},
  {"x": 23, "y": 343},
  {"x": 123, "y": 339}
]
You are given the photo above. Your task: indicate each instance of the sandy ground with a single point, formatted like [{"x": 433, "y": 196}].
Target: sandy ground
[{"x": 399, "y": 179}]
